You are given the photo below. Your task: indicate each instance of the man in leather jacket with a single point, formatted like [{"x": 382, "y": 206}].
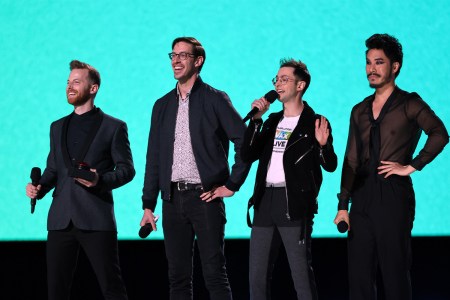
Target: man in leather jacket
[{"x": 291, "y": 146}]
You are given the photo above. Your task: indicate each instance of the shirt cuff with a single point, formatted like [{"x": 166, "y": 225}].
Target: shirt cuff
[{"x": 343, "y": 202}]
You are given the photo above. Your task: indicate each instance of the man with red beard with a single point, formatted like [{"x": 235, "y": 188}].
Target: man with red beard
[
  {"x": 187, "y": 161},
  {"x": 89, "y": 157},
  {"x": 384, "y": 131}
]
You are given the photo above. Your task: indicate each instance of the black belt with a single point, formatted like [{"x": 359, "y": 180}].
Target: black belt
[
  {"x": 186, "y": 186},
  {"x": 276, "y": 185}
]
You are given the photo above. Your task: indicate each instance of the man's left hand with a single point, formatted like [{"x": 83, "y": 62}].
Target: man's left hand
[
  {"x": 89, "y": 183},
  {"x": 394, "y": 168},
  {"x": 220, "y": 191},
  {"x": 322, "y": 132}
]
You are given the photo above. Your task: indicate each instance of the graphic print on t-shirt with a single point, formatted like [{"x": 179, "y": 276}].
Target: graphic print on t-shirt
[
  {"x": 281, "y": 138},
  {"x": 275, "y": 172}
]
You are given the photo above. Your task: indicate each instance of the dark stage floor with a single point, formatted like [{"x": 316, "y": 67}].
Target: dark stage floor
[{"x": 145, "y": 272}]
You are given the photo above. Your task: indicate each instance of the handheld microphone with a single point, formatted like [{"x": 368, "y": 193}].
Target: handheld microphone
[
  {"x": 147, "y": 229},
  {"x": 342, "y": 226},
  {"x": 270, "y": 97},
  {"x": 35, "y": 176}
]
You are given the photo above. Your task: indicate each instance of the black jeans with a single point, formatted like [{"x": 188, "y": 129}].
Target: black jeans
[
  {"x": 102, "y": 251},
  {"x": 185, "y": 217}
]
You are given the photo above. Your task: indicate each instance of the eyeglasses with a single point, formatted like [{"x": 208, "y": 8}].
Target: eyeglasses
[
  {"x": 181, "y": 55},
  {"x": 283, "y": 80}
]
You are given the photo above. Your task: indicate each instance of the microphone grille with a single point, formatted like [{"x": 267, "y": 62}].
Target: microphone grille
[
  {"x": 271, "y": 96},
  {"x": 342, "y": 226},
  {"x": 35, "y": 174},
  {"x": 145, "y": 230}
]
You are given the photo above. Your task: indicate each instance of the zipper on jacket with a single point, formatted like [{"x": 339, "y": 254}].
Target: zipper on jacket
[
  {"x": 253, "y": 136},
  {"x": 287, "y": 204},
  {"x": 303, "y": 155},
  {"x": 288, "y": 216},
  {"x": 321, "y": 155},
  {"x": 301, "y": 138}
]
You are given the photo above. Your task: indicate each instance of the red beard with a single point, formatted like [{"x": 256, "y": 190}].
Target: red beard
[{"x": 79, "y": 98}]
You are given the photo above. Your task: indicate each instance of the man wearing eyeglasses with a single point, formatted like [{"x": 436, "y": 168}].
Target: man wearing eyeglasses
[
  {"x": 292, "y": 145},
  {"x": 187, "y": 161}
]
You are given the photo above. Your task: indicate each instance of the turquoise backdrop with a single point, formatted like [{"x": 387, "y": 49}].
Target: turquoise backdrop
[{"x": 128, "y": 42}]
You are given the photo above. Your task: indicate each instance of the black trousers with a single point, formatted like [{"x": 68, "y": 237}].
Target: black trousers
[
  {"x": 185, "y": 218},
  {"x": 101, "y": 249},
  {"x": 381, "y": 219}
]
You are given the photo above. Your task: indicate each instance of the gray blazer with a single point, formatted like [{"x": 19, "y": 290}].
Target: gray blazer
[{"x": 88, "y": 208}]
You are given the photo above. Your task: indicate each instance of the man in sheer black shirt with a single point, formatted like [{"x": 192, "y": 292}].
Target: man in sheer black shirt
[{"x": 384, "y": 131}]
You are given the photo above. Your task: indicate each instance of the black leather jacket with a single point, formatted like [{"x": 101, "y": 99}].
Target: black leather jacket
[{"x": 302, "y": 160}]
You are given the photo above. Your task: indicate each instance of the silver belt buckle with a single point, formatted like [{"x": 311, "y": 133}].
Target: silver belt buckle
[{"x": 181, "y": 186}]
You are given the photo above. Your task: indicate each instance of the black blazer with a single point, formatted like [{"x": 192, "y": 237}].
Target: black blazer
[
  {"x": 302, "y": 161},
  {"x": 88, "y": 208}
]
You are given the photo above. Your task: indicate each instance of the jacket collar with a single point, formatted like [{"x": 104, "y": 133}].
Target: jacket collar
[
  {"x": 307, "y": 114},
  {"x": 198, "y": 82}
]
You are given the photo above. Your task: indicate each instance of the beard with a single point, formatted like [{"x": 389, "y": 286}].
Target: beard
[
  {"x": 80, "y": 98},
  {"x": 380, "y": 84},
  {"x": 375, "y": 85},
  {"x": 372, "y": 84}
]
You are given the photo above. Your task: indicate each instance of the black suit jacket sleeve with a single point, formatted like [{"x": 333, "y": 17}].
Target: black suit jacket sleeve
[
  {"x": 50, "y": 175},
  {"x": 121, "y": 155}
]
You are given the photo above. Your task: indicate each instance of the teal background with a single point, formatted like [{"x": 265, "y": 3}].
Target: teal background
[{"x": 128, "y": 42}]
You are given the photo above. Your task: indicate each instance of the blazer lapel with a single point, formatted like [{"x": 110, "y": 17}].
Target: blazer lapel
[{"x": 64, "y": 149}]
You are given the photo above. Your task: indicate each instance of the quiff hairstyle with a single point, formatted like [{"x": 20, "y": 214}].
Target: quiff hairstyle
[
  {"x": 94, "y": 75},
  {"x": 390, "y": 45},
  {"x": 300, "y": 70}
]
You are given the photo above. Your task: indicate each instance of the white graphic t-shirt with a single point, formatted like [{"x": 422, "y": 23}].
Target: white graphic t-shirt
[{"x": 275, "y": 173}]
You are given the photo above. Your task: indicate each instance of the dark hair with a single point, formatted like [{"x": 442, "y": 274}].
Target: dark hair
[
  {"x": 198, "y": 49},
  {"x": 94, "y": 75},
  {"x": 390, "y": 45},
  {"x": 300, "y": 70}
]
